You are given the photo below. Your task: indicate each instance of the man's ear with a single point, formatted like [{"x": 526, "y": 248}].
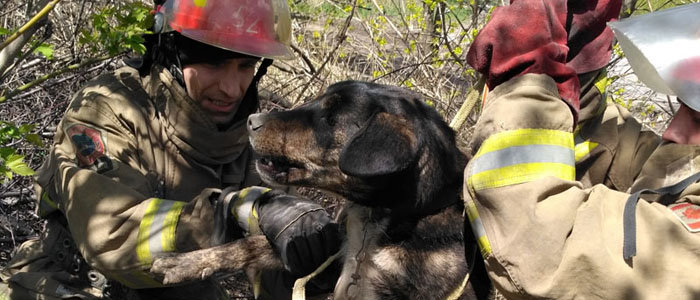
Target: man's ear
[{"x": 385, "y": 145}]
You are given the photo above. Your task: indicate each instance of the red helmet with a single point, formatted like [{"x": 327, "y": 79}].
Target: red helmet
[{"x": 254, "y": 27}]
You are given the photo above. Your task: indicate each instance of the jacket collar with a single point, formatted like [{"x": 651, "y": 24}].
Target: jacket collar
[{"x": 190, "y": 128}]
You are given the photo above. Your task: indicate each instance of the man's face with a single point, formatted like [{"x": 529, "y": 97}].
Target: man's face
[
  {"x": 219, "y": 87},
  {"x": 684, "y": 127}
]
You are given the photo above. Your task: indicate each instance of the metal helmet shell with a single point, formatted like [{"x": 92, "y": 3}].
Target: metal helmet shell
[
  {"x": 259, "y": 28},
  {"x": 663, "y": 49}
]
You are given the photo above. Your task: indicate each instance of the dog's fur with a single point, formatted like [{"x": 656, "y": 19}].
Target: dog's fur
[{"x": 395, "y": 161}]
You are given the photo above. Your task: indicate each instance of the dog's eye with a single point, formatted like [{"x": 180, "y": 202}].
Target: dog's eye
[{"x": 328, "y": 120}]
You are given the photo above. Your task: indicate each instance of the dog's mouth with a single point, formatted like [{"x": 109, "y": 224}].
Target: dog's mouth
[{"x": 279, "y": 169}]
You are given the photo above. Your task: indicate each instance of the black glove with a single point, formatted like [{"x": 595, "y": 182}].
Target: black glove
[
  {"x": 234, "y": 214},
  {"x": 300, "y": 230}
]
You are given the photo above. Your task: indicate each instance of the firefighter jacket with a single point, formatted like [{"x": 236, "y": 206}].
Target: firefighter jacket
[
  {"x": 133, "y": 164},
  {"x": 543, "y": 235},
  {"x": 610, "y": 146}
]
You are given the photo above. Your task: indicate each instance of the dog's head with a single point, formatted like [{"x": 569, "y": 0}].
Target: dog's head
[{"x": 374, "y": 144}]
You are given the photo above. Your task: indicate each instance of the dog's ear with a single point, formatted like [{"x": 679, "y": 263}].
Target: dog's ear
[{"x": 385, "y": 145}]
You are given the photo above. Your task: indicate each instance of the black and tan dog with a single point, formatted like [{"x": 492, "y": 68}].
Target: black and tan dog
[{"x": 396, "y": 162}]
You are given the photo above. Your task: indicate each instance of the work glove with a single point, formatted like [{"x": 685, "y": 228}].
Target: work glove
[
  {"x": 545, "y": 37},
  {"x": 300, "y": 230},
  {"x": 234, "y": 214},
  {"x": 589, "y": 38}
]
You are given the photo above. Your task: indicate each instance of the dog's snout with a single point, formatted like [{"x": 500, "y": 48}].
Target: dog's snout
[{"x": 255, "y": 122}]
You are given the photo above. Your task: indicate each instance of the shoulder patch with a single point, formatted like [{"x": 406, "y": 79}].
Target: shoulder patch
[
  {"x": 88, "y": 143},
  {"x": 688, "y": 213}
]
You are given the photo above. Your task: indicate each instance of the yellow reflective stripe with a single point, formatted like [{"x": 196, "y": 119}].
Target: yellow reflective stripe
[
  {"x": 142, "y": 247},
  {"x": 478, "y": 229},
  {"x": 200, "y": 3},
  {"x": 45, "y": 198},
  {"x": 583, "y": 149},
  {"x": 244, "y": 207},
  {"x": 169, "y": 226},
  {"x": 525, "y": 137},
  {"x": 157, "y": 229},
  {"x": 522, "y": 155},
  {"x": 46, "y": 205},
  {"x": 602, "y": 82},
  {"x": 519, "y": 174}
]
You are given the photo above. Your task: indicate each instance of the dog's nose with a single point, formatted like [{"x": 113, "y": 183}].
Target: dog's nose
[{"x": 255, "y": 121}]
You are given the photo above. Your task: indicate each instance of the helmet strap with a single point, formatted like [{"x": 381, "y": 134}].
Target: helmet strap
[{"x": 175, "y": 68}]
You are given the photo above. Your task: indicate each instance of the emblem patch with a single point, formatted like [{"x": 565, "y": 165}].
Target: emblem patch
[
  {"x": 688, "y": 213},
  {"x": 88, "y": 143}
]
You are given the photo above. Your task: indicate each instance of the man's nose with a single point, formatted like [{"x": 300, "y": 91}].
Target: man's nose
[
  {"x": 679, "y": 128},
  {"x": 673, "y": 135},
  {"x": 231, "y": 84}
]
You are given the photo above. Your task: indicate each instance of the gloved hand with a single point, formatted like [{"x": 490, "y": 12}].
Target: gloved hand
[
  {"x": 589, "y": 37},
  {"x": 554, "y": 37},
  {"x": 301, "y": 231},
  {"x": 529, "y": 36},
  {"x": 235, "y": 214}
]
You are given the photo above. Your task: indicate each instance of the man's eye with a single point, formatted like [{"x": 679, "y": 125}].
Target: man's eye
[
  {"x": 249, "y": 64},
  {"x": 216, "y": 63}
]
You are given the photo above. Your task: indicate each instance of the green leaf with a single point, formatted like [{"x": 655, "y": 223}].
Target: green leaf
[
  {"x": 7, "y": 173},
  {"x": 16, "y": 164},
  {"x": 46, "y": 50},
  {"x": 26, "y": 128},
  {"x": 4, "y": 31},
  {"x": 5, "y": 152},
  {"x": 34, "y": 139}
]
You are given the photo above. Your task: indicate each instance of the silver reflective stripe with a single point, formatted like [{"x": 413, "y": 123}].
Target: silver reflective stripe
[
  {"x": 478, "y": 227},
  {"x": 521, "y": 155},
  {"x": 243, "y": 211},
  {"x": 155, "y": 232}
]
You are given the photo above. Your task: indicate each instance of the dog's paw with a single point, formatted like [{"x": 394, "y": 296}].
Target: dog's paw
[{"x": 181, "y": 267}]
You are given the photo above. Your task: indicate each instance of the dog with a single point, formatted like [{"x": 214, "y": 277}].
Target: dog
[{"x": 395, "y": 161}]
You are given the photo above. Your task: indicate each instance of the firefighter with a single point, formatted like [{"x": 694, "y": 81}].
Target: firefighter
[
  {"x": 144, "y": 158},
  {"x": 542, "y": 233}
]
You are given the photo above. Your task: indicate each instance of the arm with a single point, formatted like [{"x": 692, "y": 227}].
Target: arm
[
  {"x": 115, "y": 216},
  {"x": 541, "y": 233}
]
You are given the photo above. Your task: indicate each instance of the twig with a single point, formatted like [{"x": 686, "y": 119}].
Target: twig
[
  {"x": 51, "y": 75},
  {"x": 39, "y": 89},
  {"x": 305, "y": 58},
  {"x": 15, "y": 193},
  {"x": 44, "y": 11},
  {"x": 388, "y": 21},
  {"x": 441, "y": 12},
  {"x": 341, "y": 37}
]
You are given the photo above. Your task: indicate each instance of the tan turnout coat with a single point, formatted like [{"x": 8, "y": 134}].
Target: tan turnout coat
[
  {"x": 130, "y": 173},
  {"x": 545, "y": 235}
]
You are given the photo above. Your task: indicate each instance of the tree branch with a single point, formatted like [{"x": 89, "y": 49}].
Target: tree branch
[
  {"x": 53, "y": 74},
  {"x": 341, "y": 37},
  {"x": 32, "y": 22}
]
